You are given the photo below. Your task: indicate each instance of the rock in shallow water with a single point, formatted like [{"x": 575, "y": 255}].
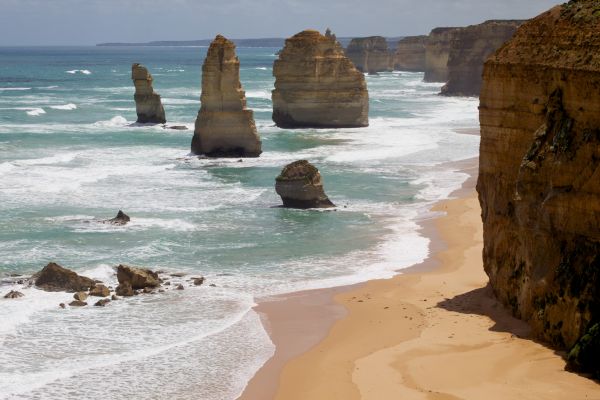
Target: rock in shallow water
[
  {"x": 125, "y": 290},
  {"x": 54, "y": 278},
  {"x": 224, "y": 126},
  {"x": 13, "y": 294},
  {"x": 120, "y": 219},
  {"x": 137, "y": 278},
  {"x": 100, "y": 291},
  {"x": 81, "y": 296},
  {"x": 317, "y": 86},
  {"x": 78, "y": 303},
  {"x": 148, "y": 105},
  {"x": 300, "y": 186}
]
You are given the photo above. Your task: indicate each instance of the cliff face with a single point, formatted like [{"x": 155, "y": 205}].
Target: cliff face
[
  {"x": 539, "y": 182},
  {"x": 148, "y": 106},
  {"x": 437, "y": 52},
  {"x": 316, "y": 85},
  {"x": 410, "y": 54},
  {"x": 469, "y": 49},
  {"x": 369, "y": 54},
  {"x": 224, "y": 126}
]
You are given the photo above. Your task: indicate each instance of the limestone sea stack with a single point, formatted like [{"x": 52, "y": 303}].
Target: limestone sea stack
[
  {"x": 437, "y": 52},
  {"x": 148, "y": 106},
  {"x": 224, "y": 126},
  {"x": 539, "y": 177},
  {"x": 369, "y": 54},
  {"x": 300, "y": 186},
  {"x": 410, "y": 54},
  {"x": 469, "y": 49},
  {"x": 317, "y": 86}
]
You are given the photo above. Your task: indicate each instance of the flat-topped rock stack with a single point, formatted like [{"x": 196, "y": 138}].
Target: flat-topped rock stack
[
  {"x": 539, "y": 178},
  {"x": 437, "y": 53},
  {"x": 370, "y": 54},
  {"x": 224, "y": 126},
  {"x": 148, "y": 105},
  {"x": 469, "y": 49},
  {"x": 317, "y": 86},
  {"x": 410, "y": 54}
]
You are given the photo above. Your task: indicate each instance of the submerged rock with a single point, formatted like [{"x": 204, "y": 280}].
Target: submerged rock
[
  {"x": 54, "y": 278},
  {"x": 300, "y": 186},
  {"x": 199, "y": 281},
  {"x": 539, "y": 180},
  {"x": 148, "y": 105},
  {"x": 81, "y": 296},
  {"x": 224, "y": 126},
  {"x": 102, "y": 302},
  {"x": 120, "y": 219},
  {"x": 137, "y": 278},
  {"x": 370, "y": 54},
  {"x": 13, "y": 294},
  {"x": 78, "y": 303},
  {"x": 125, "y": 290},
  {"x": 317, "y": 86},
  {"x": 100, "y": 291}
]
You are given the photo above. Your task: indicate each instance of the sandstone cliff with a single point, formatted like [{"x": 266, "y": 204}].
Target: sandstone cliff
[
  {"x": 316, "y": 85},
  {"x": 224, "y": 126},
  {"x": 148, "y": 106},
  {"x": 539, "y": 182},
  {"x": 437, "y": 52},
  {"x": 369, "y": 54},
  {"x": 410, "y": 54},
  {"x": 469, "y": 49}
]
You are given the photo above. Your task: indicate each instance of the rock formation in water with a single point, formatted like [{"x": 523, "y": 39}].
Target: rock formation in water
[
  {"x": 539, "y": 177},
  {"x": 317, "y": 86},
  {"x": 469, "y": 49},
  {"x": 54, "y": 278},
  {"x": 13, "y": 294},
  {"x": 410, "y": 54},
  {"x": 147, "y": 103},
  {"x": 137, "y": 278},
  {"x": 300, "y": 186},
  {"x": 369, "y": 54},
  {"x": 224, "y": 126},
  {"x": 437, "y": 52},
  {"x": 120, "y": 219}
]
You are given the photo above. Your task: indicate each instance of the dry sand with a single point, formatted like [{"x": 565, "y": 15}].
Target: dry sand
[{"x": 434, "y": 332}]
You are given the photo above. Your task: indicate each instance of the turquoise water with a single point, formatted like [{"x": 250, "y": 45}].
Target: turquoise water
[{"x": 70, "y": 153}]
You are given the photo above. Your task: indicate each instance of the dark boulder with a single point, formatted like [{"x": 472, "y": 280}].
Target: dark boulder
[
  {"x": 54, "y": 278},
  {"x": 300, "y": 186}
]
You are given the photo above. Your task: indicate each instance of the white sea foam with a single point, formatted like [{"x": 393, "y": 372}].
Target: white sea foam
[
  {"x": 34, "y": 112},
  {"x": 258, "y": 94},
  {"x": 14, "y": 89},
  {"x": 172, "y": 101},
  {"x": 69, "y": 106},
  {"x": 80, "y": 71}
]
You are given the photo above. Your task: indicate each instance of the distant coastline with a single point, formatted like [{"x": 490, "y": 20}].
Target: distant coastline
[{"x": 259, "y": 42}]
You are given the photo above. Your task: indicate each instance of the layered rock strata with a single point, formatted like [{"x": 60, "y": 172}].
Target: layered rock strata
[
  {"x": 370, "y": 54},
  {"x": 437, "y": 52},
  {"x": 469, "y": 49},
  {"x": 224, "y": 126},
  {"x": 300, "y": 186},
  {"x": 539, "y": 177},
  {"x": 317, "y": 86},
  {"x": 410, "y": 54},
  {"x": 148, "y": 105}
]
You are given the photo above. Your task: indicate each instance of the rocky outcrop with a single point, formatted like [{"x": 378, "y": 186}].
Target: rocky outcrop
[
  {"x": 100, "y": 290},
  {"x": 13, "y": 294},
  {"x": 224, "y": 126},
  {"x": 539, "y": 182},
  {"x": 317, "y": 86},
  {"x": 410, "y": 54},
  {"x": 300, "y": 186},
  {"x": 119, "y": 220},
  {"x": 437, "y": 52},
  {"x": 148, "y": 106},
  {"x": 369, "y": 54},
  {"x": 137, "y": 278},
  {"x": 125, "y": 290},
  {"x": 54, "y": 278},
  {"x": 469, "y": 49}
]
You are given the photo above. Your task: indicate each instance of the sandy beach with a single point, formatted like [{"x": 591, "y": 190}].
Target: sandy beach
[{"x": 433, "y": 332}]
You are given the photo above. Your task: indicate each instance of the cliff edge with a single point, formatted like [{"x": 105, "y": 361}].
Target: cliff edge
[{"x": 539, "y": 182}]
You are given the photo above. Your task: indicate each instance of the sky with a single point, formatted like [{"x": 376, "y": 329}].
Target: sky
[{"x": 88, "y": 22}]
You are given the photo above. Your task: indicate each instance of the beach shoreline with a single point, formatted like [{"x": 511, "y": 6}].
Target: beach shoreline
[{"x": 392, "y": 338}]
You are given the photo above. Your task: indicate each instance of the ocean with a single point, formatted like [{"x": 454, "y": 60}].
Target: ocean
[{"x": 70, "y": 153}]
